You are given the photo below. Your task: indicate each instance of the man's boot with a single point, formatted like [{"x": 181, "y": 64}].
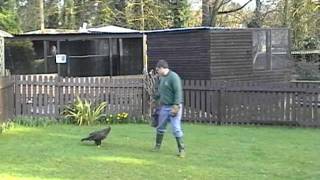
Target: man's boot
[
  {"x": 180, "y": 144},
  {"x": 159, "y": 138}
]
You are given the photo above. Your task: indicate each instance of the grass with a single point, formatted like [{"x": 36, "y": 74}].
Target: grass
[{"x": 213, "y": 152}]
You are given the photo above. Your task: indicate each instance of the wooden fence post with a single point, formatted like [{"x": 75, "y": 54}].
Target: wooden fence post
[
  {"x": 221, "y": 103},
  {"x": 6, "y": 99},
  {"x": 145, "y": 109},
  {"x": 56, "y": 96}
]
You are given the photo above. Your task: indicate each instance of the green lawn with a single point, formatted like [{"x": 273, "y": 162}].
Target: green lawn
[{"x": 213, "y": 152}]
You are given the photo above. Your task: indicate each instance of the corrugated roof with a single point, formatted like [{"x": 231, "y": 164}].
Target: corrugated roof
[
  {"x": 112, "y": 29},
  {"x": 190, "y": 29},
  {"x": 105, "y": 29},
  {"x": 52, "y": 31},
  {"x": 5, "y": 34},
  {"x": 116, "y": 30}
]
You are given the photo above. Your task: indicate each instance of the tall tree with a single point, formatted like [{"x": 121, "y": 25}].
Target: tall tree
[
  {"x": 236, "y": 19},
  {"x": 67, "y": 15},
  {"x": 284, "y": 14},
  {"x": 305, "y": 24},
  {"x": 180, "y": 12},
  {"x": 29, "y": 15},
  {"x": 145, "y": 14},
  {"x": 256, "y": 20},
  {"x": 111, "y": 12},
  {"x": 52, "y": 13},
  {"x": 85, "y": 11},
  {"x": 211, "y": 9},
  {"x": 9, "y": 20},
  {"x": 302, "y": 17}
]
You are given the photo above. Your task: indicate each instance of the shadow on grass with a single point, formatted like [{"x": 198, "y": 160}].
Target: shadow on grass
[{"x": 92, "y": 167}]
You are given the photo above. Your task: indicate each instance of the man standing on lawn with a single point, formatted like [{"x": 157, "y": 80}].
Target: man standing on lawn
[{"x": 170, "y": 100}]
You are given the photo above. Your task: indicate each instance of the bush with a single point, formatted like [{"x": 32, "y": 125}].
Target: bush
[{"x": 82, "y": 112}]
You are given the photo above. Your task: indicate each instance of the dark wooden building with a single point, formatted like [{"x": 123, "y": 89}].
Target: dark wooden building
[
  {"x": 195, "y": 53},
  {"x": 223, "y": 54},
  {"x": 88, "y": 53}
]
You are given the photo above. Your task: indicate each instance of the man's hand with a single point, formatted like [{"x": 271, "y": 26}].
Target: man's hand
[{"x": 174, "y": 110}]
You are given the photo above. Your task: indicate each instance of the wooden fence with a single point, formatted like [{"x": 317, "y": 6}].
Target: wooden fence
[
  {"x": 6, "y": 99},
  {"x": 48, "y": 95},
  {"x": 205, "y": 101},
  {"x": 242, "y": 102}
]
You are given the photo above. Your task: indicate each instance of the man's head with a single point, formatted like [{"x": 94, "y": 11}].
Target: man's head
[{"x": 162, "y": 67}]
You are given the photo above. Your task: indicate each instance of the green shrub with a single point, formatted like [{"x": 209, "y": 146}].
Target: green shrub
[
  {"x": 82, "y": 112},
  {"x": 6, "y": 126}
]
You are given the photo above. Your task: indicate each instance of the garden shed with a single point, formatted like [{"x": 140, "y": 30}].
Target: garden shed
[
  {"x": 104, "y": 51},
  {"x": 6, "y": 86},
  {"x": 3, "y": 35},
  {"x": 208, "y": 53}
]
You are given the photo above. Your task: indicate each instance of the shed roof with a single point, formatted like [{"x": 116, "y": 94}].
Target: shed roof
[
  {"x": 52, "y": 31},
  {"x": 103, "y": 29},
  {"x": 192, "y": 29},
  {"x": 4, "y": 34},
  {"x": 90, "y": 33},
  {"x": 112, "y": 29}
]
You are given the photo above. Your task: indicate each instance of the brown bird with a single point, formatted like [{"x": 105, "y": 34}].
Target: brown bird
[{"x": 98, "y": 136}]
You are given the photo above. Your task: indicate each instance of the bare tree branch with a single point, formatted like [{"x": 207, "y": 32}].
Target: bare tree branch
[
  {"x": 234, "y": 10},
  {"x": 225, "y": 2}
]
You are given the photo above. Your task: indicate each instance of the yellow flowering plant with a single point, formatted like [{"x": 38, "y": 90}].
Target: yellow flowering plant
[{"x": 117, "y": 118}]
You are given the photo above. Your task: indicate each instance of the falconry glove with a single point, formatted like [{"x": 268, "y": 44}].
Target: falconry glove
[{"x": 174, "y": 110}]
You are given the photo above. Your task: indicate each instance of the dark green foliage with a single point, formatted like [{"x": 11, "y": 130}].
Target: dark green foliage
[
  {"x": 180, "y": 13},
  {"x": 310, "y": 42},
  {"x": 9, "y": 20}
]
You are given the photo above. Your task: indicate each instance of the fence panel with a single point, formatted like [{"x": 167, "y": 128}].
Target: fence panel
[
  {"x": 295, "y": 104},
  {"x": 47, "y": 96},
  {"x": 204, "y": 101}
]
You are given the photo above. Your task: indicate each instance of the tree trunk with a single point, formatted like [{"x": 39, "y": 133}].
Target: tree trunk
[
  {"x": 285, "y": 14},
  {"x": 213, "y": 17},
  {"x": 41, "y": 15},
  {"x": 257, "y": 13},
  {"x": 295, "y": 23},
  {"x": 205, "y": 12},
  {"x": 142, "y": 15}
]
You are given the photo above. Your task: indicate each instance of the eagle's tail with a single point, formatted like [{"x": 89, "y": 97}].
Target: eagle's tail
[{"x": 85, "y": 139}]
